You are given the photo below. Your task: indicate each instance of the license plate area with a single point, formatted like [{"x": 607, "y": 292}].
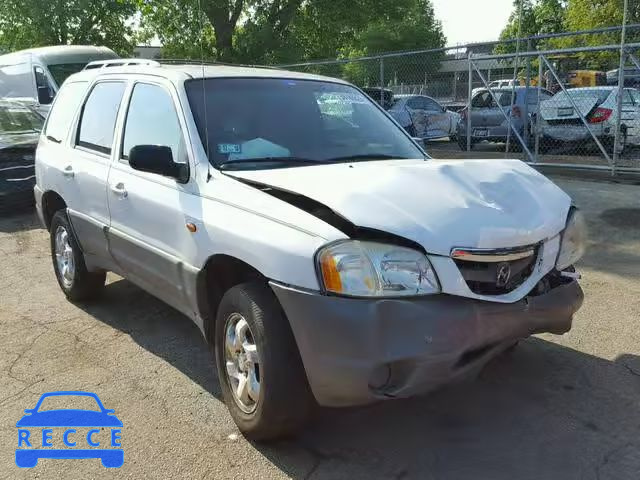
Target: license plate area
[{"x": 565, "y": 111}]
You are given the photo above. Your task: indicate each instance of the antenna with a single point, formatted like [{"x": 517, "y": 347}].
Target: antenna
[{"x": 206, "y": 117}]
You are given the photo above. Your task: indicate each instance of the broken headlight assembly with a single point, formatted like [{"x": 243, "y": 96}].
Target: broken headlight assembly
[
  {"x": 573, "y": 240},
  {"x": 370, "y": 269}
]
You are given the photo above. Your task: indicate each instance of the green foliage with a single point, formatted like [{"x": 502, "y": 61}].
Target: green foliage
[
  {"x": 282, "y": 31},
  {"x": 34, "y": 23},
  {"x": 534, "y": 17}
]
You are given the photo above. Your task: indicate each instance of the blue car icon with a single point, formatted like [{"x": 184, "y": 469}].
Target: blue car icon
[{"x": 68, "y": 418}]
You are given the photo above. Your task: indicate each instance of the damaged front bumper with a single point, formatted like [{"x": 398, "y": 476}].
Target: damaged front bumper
[{"x": 358, "y": 351}]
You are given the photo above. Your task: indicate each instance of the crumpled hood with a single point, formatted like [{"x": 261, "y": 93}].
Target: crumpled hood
[{"x": 439, "y": 204}]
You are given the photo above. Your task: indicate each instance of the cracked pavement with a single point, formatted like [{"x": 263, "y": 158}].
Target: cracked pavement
[{"x": 556, "y": 408}]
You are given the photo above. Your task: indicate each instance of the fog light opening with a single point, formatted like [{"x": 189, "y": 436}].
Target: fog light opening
[{"x": 380, "y": 377}]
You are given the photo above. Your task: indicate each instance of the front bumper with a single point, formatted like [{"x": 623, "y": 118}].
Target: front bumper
[{"x": 358, "y": 351}]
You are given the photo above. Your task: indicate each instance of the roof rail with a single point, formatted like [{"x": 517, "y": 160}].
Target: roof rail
[
  {"x": 180, "y": 61},
  {"x": 119, "y": 62}
]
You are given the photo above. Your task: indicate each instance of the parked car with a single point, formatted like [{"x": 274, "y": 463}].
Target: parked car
[
  {"x": 423, "y": 117},
  {"x": 488, "y": 120},
  {"x": 383, "y": 97},
  {"x": 631, "y": 77},
  {"x": 598, "y": 105},
  {"x": 35, "y": 75},
  {"x": 20, "y": 128},
  {"x": 326, "y": 258}
]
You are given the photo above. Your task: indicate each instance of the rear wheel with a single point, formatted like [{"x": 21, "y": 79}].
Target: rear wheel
[
  {"x": 74, "y": 279},
  {"x": 260, "y": 371},
  {"x": 462, "y": 143}
]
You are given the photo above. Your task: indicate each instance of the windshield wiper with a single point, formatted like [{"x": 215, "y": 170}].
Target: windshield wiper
[
  {"x": 229, "y": 164},
  {"x": 365, "y": 158}
]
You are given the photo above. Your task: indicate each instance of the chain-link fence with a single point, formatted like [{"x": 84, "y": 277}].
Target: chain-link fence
[{"x": 576, "y": 107}]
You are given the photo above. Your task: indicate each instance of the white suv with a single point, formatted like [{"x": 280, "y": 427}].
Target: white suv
[{"x": 327, "y": 259}]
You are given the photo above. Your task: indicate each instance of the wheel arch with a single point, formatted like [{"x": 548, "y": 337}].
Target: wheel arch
[
  {"x": 220, "y": 273},
  {"x": 51, "y": 203}
]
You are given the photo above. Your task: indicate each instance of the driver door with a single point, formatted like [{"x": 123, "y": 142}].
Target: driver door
[{"x": 148, "y": 235}]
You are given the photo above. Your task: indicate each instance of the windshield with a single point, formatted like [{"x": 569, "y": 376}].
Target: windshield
[
  {"x": 312, "y": 121},
  {"x": 19, "y": 119},
  {"x": 61, "y": 71}
]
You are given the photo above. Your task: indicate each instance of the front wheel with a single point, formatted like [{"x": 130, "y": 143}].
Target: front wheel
[
  {"x": 74, "y": 279},
  {"x": 259, "y": 368}
]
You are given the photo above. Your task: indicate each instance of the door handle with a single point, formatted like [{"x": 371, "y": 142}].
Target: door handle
[
  {"x": 119, "y": 190},
  {"x": 68, "y": 171}
]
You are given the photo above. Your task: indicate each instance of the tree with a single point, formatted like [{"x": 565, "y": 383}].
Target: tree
[
  {"x": 31, "y": 23},
  {"x": 530, "y": 18}
]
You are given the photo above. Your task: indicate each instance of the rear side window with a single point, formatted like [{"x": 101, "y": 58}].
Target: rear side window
[
  {"x": 99, "y": 116},
  {"x": 152, "y": 120},
  {"x": 64, "y": 109}
]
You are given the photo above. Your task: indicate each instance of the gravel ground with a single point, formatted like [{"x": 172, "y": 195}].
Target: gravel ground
[{"x": 557, "y": 408}]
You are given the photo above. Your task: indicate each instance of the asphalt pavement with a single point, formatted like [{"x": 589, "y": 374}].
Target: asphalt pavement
[{"x": 561, "y": 408}]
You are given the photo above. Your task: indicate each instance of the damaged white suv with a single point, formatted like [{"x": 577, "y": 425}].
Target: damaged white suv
[{"x": 326, "y": 258}]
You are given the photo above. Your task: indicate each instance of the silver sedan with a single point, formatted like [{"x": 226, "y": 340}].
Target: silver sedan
[{"x": 424, "y": 117}]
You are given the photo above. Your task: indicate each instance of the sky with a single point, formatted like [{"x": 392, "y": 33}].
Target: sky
[{"x": 467, "y": 21}]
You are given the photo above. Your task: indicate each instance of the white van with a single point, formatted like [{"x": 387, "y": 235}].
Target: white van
[{"x": 35, "y": 75}]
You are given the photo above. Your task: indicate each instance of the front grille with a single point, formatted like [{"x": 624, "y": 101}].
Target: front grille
[{"x": 487, "y": 277}]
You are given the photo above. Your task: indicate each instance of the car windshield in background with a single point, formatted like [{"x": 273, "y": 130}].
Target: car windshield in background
[
  {"x": 284, "y": 122},
  {"x": 61, "y": 71},
  {"x": 16, "y": 118}
]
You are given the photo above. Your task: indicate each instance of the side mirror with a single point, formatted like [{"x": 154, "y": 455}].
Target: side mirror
[
  {"x": 44, "y": 95},
  {"x": 157, "y": 159}
]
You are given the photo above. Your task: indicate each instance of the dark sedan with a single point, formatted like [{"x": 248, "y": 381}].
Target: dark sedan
[{"x": 20, "y": 128}]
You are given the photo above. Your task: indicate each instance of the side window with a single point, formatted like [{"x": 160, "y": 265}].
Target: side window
[
  {"x": 16, "y": 81},
  {"x": 635, "y": 94},
  {"x": 626, "y": 98},
  {"x": 45, "y": 92},
  {"x": 505, "y": 99},
  {"x": 99, "y": 116},
  {"x": 417, "y": 103},
  {"x": 64, "y": 109},
  {"x": 432, "y": 106},
  {"x": 152, "y": 120},
  {"x": 481, "y": 100}
]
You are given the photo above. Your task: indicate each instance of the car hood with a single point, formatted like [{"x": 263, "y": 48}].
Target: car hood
[
  {"x": 438, "y": 204},
  {"x": 69, "y": 418}
]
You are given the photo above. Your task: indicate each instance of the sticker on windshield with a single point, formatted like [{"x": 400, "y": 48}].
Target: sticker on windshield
[
  {"x": 344, "y": 98},
  {"x": 228, "y": 148}
]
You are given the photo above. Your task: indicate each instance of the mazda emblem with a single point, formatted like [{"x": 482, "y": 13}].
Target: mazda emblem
[{"x": 503, "y": 274}]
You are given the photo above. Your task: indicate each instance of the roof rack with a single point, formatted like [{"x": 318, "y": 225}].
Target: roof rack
[
  {"x": 180, "y": 61},
  {"x": 119, "y": 62}
]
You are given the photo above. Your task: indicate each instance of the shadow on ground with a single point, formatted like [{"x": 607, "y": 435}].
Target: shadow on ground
[
  {"x": 20, "y": 220},
  {"x": 542, "y": 412}
]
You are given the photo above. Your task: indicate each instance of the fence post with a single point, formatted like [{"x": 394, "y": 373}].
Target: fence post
[
  {"x": 527, "y": 84},
  {"x": 623, "y": 61},
  {"x": 382, "y": 81},
  {"x": 537, "y": 147},
  {"x": 469, "y": 95}
]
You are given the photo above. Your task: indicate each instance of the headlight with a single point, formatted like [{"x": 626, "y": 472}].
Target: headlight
[
  {"x": 369, "y": 269},
  {"x": 573, "y": 242}
]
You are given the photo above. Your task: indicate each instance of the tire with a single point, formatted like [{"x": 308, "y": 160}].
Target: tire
[
  {"x": 283, "y": 403},
  {"x": 77, "y": 283},
  {"x": 462, "y": 143}
]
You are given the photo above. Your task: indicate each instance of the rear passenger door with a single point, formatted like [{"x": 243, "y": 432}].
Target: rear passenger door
[
  {"x": 148, "y": 235},
  {"x": 86, "y": 165}
]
